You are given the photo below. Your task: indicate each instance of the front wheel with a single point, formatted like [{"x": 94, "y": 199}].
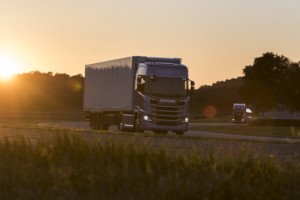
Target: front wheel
[{"x": 137, "y": 126}]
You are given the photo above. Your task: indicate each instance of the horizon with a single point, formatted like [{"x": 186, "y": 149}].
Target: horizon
[
  {"x": 215, "y": 40},
  {"x": 71, "y": 75}
]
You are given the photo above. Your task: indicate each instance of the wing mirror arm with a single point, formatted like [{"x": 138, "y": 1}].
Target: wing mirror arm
[
  {"x": 138, "y": 83},
  {"x": 192, "y": 87}
]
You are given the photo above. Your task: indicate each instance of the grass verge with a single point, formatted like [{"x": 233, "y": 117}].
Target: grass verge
[
  {"x": 217, "y": 119},
  {"x": 34, "y": 129},
  {"x": 265, "y": 131},
  {"x": 70, "y": 167}
]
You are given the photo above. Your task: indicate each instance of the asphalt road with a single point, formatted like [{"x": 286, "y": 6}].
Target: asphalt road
[{"x": 85, "y": 126}]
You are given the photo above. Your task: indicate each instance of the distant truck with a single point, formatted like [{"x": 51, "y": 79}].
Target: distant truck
[
  {"x": 240, "y": 113},
  {"x": 138, "y": 93}
]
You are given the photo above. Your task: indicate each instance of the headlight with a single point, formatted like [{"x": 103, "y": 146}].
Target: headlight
[
  {"x": 146, "y": 118},
  {"x": 186, "y": 120}
]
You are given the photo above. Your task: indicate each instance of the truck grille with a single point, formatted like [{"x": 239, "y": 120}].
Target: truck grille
[
  {"x": 167, "y": 114},
  {"x": 238, "y": 116}
]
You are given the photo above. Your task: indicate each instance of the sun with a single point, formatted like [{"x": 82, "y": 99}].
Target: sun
[{"x": 8, "y": 66}]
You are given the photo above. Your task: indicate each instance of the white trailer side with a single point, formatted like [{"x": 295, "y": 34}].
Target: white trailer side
[{"x": 109, "y": 85}]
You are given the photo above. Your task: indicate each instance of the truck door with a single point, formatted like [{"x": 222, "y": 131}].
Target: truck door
[{"x": 140, "y": 92}]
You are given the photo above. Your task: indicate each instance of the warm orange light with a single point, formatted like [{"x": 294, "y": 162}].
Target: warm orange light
[
  {"x": 8, "y": 66},
  {"x": 210, "y": 112}
]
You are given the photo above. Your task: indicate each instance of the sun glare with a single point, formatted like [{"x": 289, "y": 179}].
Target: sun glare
[{"x": 8, "y": 66}]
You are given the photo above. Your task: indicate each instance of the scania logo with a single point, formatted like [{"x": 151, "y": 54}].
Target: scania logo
[{"x": 167, "y": 101}]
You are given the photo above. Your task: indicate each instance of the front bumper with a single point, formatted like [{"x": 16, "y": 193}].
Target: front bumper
[
  {"x": 238, "y": 121},
  {"x": 148, "y": 125}
]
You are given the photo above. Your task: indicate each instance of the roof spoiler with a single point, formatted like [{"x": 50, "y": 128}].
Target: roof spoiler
[{"x": 161, "y": 60}]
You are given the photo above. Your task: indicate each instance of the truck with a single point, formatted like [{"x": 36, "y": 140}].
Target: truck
[
  {"x": 240, "y": 113},
  {"x": 138, "y": 93}
]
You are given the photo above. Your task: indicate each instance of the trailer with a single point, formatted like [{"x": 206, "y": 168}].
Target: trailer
[{"x": 138, "y": 93}]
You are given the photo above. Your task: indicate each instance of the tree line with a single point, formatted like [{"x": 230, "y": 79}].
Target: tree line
[
  {"x": 37, "y": 91},
  {"x": 220, "y": 95},
  {"x": 272, "y": 81}
]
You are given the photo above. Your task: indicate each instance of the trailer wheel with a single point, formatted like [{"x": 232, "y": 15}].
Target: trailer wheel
[
  {"x": 105, "y": 127},
  {"x": 93, "y": 122},
  {"x": 179, "y": 132},
  {"x": 121, "y": 124},
  {"x": 162, "y": 132},
  {"x": 97, "y": 124}
]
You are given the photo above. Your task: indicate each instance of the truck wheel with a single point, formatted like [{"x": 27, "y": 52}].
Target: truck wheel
[
  {"x": 93, "y": 122},
  {"x": 137, "y": 126},
  {"x": 97, "y": 121},
  {"x": 105, "y": 127},
  {"x": 179, "y": 132},
  {"x": 162, "y": 132},
  {"x": 121, "y": 127},
  {"x": 101, "y": 121}
]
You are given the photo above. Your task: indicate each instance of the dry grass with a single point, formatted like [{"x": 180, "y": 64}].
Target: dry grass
[
  {"x": 266, "y": 131},
  {"x": 70, "y": 167}
]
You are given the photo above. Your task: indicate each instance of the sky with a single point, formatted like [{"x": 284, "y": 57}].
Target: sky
[{"x": 216, "y": 39}]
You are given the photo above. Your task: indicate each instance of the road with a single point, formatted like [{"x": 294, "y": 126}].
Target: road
[
  {"x": 85, "y": 125},
  {"x": 283, "y": 115}
]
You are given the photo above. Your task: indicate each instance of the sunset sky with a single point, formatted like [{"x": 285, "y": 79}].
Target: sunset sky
[{"x": 215, "y": 38}]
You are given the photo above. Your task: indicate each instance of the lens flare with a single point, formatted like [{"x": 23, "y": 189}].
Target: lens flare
[
  {"x": 75, "y": 85},
  {"x": 210, "y": 112}
]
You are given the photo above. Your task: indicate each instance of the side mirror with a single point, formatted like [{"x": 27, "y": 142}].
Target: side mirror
[
  {"x": 139, "y": 81},
  {"x": 192, "y": 87}
]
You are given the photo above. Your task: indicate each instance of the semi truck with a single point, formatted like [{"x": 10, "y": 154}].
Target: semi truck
[
  {"x": 240, "y": 113},
  {"x": 138, "y": 93}
]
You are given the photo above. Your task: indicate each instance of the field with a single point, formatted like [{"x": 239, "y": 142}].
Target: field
[
  {"x": 218, "y": 119},
  {"x": 74, "y": 168},
  {"x": 50, "y": 163},
  {"x": 266, "y": 131}
]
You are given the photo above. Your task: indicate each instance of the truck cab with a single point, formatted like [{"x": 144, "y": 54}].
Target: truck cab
[
  {"x": 240, "y": 113},
  {"x": 161, "y": 96}
]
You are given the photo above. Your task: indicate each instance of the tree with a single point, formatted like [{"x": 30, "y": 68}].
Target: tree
[
  {"x": 293, "y": 87},
  {"x": 269, "y": 82}
]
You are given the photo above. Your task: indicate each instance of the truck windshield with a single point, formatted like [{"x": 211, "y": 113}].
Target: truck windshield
[
  {"x": 166, "y": 87},
  {"x": 238, "y": 108}
]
